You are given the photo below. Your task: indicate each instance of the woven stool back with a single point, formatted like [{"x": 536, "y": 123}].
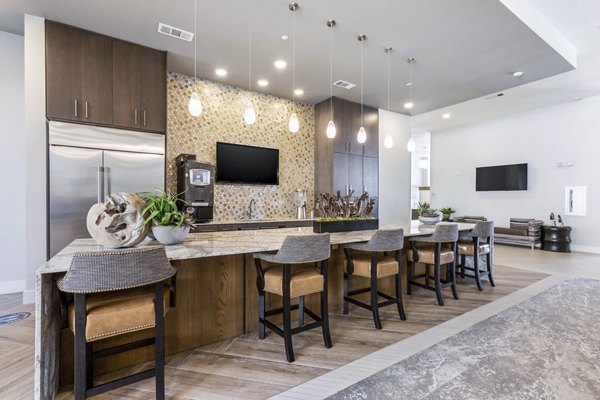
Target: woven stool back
[
  {"x": 116, "y": 270},
  {"x": 382, "y": 240}
]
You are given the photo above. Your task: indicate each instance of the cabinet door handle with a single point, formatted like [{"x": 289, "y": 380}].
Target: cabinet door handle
[
  {"x": 346, "y": 189},
  {"x": 135, "y": 117},
  {"x": 86, "y": 110},
  {"x": 76, "y": 108},
  {"x": 144, "y": 117}
]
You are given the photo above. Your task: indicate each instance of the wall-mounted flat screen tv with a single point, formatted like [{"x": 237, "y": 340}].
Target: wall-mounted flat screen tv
[
  {"x": 501, "y": 177},
  {"x": 237, "y": 163}
]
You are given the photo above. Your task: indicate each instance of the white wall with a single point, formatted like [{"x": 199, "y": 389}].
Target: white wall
[
  {"x": 568, "y": 132},
  {"x": 394, "y": 168},
  {"x": 34, "y": 203},
  {"x": 12, "y": 165}
]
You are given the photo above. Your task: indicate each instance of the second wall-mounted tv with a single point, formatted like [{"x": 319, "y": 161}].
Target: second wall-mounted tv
[
  {"x": 501, "y": 177},
  {"x": 237, "y": 163}
]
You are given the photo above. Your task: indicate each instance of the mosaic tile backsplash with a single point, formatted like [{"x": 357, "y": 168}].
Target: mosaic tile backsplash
[{"x": 222, "y": 120}]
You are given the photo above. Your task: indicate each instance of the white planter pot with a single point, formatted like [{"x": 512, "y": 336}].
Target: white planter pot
[
  {"x": 169, "y": 235},
  {"x": 430, "y": 220}
]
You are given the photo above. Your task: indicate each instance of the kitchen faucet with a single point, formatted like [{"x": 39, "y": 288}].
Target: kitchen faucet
[{"x": 251, "y": 209}]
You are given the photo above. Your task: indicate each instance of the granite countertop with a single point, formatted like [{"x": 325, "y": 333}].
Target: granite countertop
[{"x": 211, "y": 244}]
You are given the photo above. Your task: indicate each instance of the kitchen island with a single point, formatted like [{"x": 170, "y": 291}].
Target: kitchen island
[{"x": 216, "y": 296}]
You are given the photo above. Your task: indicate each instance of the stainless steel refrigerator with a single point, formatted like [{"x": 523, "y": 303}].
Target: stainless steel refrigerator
[{"x": 86, "y": 163}]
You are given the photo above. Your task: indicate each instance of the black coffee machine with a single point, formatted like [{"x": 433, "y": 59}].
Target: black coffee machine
[{"x": 196, "y": 183}]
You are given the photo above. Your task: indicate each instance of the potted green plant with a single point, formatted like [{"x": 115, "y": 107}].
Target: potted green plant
[
  {"x": 169, "y": 225},
  {"x": 428, "y": 215},
  {"x": 447, "y": 212}
]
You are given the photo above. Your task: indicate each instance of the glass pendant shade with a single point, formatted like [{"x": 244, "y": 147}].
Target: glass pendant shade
[
  {"x": 195, "y": 105},
  {"x": 362, "y": 135},
  {"x": 294, "y": 124},
  {"x": 250, "y": 115},
  {"x": 388, "y": 142},
  {"x": 410, "y": 146},
  {"x": 330, "y": 130}
]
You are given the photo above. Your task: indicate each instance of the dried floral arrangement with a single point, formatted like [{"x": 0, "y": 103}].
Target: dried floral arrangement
[{"x": 337, "y": 207}]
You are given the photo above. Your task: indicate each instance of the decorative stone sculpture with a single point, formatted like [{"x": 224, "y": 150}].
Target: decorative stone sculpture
[{"x": 119, "y": 221}]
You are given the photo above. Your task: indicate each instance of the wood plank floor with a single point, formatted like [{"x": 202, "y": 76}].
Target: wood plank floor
[{"x": 249, "y": 368}]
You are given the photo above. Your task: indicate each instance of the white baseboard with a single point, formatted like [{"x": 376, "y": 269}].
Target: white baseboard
[
  {"x": 585, "y": 249},
  {"x": 28, "y": 296},
  {"x": 12, "y": 287}
]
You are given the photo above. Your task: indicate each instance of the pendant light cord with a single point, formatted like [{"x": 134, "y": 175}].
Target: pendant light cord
[
  {"x": 195, "y": 38},
  {"x": 411, "y": 85},
  {"x": 249, "y": 44},
  {"x": 388, "y": 78},
  {"x": 362, "y": 89},
  {"x": 293, "y": 61},
  {"x": 331, "y": 70}
]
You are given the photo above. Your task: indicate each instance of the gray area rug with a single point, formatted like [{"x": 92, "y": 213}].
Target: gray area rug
[{"x": 547, "y": 347}]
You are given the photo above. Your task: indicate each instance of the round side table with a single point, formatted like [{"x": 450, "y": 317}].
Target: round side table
[{"x": 556, "y": 238}]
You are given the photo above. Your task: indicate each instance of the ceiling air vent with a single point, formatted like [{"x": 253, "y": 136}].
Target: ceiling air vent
[
  {"x": 344, "y": 84},
  {"x": 175, "y": 32}
]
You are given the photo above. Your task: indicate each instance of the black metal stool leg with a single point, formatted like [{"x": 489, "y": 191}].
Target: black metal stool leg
[
  {"x": 261, "y": 315},
  {"x": 438, "y": 283},
  {"x": 374, "y": 297},
  {"x": 80, "y": 385},
  {"x": 287, "y": 317},
  {"x": 325, "y": 306},
  {"x": 463, "y": 260},
  {"x": 301, "y": 311},
  {"x": 399, "y": 295},
  {"x": 476, "y": 272},
  {"x": 490, "y": 268},
  {"x": 453, "y": 274},
  {"x": 89, "y": 365},
  {"x": 159, "y": 332}
]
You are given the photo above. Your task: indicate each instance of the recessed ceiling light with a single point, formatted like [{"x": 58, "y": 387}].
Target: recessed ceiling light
[
  {"x": 280, "y": 64},
  {"x": 408, "y": 105},
  {"x": 221, "y": 71},
  {"x": 408, "y": 83},
  {"x": 298, "y": 92},
  {"x": 284, "y": 37},
  {"x": 518, "y": 74},
  {"x": 446, "y": 115},
  {"x": 577, "y": 99},
  {"x": 262, "y": 82}
]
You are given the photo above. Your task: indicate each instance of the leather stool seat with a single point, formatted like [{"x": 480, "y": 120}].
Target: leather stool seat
[
  {"x": 115, "y": 313},
  {"x": 386, "y": 266},
  {"x": 468, "y": 248},
  {"x": 427, "y": 255},
  {"x": 303, "y": 281}
]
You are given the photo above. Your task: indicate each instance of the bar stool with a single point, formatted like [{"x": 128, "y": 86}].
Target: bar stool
[
  {"x": 117, "y": 292},
  {"x": 373, "y": 263},
  {"x": 289, "y": 284},
  {"x": 431, "y": 253},
  {"x": 482, "y": 243}
]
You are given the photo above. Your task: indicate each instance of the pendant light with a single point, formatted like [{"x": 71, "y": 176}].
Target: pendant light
[
  {"x": 410, "y": 145},
  {"x": 294, "y": 124},
  {"x": 195, "y": 105},
  {"x": 388, "y": 142},
  {"x": 331, "y": 131},
  {"x": 249, "y": 113},
  {"x": 362, "y": 134}
]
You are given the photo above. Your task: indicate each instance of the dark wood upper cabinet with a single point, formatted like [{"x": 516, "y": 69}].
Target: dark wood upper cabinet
[
  {"x": 96, "y": 83},
  {"x": 126, "y": 67},
  {"x": 154, "y": 90},
  {"x": 371, "y": 121},
  {"x": 95, "y": 79},
  {"x": 63, "y": 72},
  {"x": 343, "y": 163}
]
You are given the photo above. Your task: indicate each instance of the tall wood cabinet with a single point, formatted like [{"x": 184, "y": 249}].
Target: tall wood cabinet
[
  {"x": 95, "y": 79},
  {"x": 343, "y": 164}
]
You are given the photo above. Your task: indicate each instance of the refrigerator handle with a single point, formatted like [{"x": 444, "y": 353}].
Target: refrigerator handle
[{"x": 100, "y": 184}]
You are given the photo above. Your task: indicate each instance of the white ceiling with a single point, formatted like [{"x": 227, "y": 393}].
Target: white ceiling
[
  {"x": 579, "y": 22},
  {"x": 464, "y": 48}
]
